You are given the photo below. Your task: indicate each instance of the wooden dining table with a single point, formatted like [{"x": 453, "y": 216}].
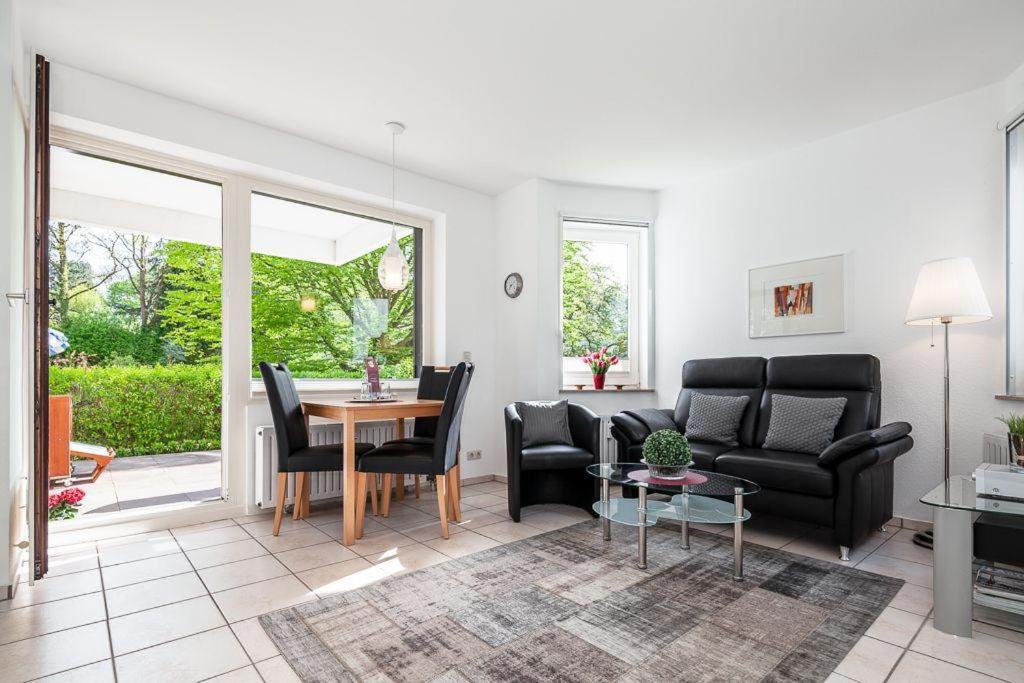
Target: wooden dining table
[{"x": 348, "y": 413}]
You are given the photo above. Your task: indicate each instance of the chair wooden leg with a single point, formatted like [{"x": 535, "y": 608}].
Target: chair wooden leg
[
  {"x": 399, "y": 487},
  {"x": 442, "y": 504},
  {"x": 282, "y": 491},
  {"x": 454, "y": 493},
  {"x": 416, "y": 485},
  {"x": 385, "y": 496},
  {"x": 300, "y": 494},
  {"x": 372, "y": 484},
  {"x": 305, "y": 495},
  {"x": 360, "y": 503}
]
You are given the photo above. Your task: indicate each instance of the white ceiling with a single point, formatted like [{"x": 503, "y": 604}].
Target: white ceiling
[{"x": 637, "y": 93}]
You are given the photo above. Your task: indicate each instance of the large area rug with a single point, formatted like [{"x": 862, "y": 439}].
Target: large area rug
[{"x": 568, "y": 606}]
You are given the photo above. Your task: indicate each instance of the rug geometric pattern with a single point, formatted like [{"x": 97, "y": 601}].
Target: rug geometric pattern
[{"x": 569, "y": 606}]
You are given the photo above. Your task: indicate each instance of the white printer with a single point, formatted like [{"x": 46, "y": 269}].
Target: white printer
[{"x": 1003, "y": 481}]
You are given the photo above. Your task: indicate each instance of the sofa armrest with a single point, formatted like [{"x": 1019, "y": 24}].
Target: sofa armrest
[
  {"x": 585, "y": 427},
  {"x": 870, "y": 438},
  {"x": 631, "y": 428}
]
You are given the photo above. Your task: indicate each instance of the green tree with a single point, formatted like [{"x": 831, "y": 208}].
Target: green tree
[
  {"x": 71, "y": 275},
  {"x": 190, "y": 310},
  {"x": 594, "y": 304}
]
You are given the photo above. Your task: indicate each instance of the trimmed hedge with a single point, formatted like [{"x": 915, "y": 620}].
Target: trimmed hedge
[{"x": 144, "y": 410}]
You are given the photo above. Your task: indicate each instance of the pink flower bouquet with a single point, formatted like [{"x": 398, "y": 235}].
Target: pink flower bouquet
[
  {"x": 63, "y": 505},
  {"x": 600, "y": 363}
]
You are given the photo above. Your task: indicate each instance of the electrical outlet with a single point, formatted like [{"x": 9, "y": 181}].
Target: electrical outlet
[{"x": 472, "y": 455}]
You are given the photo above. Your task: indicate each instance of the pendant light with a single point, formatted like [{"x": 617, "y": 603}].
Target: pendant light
[{"x": 393, "y": 271}]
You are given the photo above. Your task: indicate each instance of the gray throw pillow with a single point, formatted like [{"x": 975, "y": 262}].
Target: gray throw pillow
[
  {"x": 715, "y": 418},
  {"x": 544, "y": 422},
  {"x": 804, "y": 425}
]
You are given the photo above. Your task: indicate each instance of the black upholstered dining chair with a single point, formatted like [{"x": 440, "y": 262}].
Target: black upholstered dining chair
[
  {"x": 422, "y": 455},
  {"x": 433, "y": 383},
  {"x": 552, "y": 472},
  {"x": 294, "y": 454}
]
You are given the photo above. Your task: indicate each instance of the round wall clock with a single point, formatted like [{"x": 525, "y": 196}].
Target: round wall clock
[{"x": 514, "y": 285}]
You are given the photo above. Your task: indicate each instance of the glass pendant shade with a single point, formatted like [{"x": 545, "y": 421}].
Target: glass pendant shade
[{"x": 393, "y": 271}]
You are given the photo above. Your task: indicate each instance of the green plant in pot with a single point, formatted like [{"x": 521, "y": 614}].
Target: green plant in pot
[
  {"x": 1015, "y": 435},
  {"x": 667, "y": 454}
]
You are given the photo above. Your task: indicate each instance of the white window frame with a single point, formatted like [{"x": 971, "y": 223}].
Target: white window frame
[
  {"x": 290, "y": 192},
  {"x": 633, "y": 372},
  {"x": 238, "y": 388}
]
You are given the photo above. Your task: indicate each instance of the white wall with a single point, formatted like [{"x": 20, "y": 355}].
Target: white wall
[
  {"x": 463, "y": 218},
  {"x": 923, "y": 185},
  {"x": 13, "y": 319},
  {"x": 527, "y": 220}
]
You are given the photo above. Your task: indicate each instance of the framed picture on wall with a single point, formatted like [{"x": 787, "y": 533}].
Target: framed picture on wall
[{"x": 802, "y": 297}]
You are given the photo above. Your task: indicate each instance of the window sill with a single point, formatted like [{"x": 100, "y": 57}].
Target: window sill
[
  {"x": 1008, "y": 397},
  {"x": 609, "y": 390},
  {"x": 335, "y": 387}
]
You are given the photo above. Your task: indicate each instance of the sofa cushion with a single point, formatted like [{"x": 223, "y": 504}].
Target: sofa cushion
[
  {"x": 801, "y": 424},
  {"x": 780, "y": 470},
  {"x": 545, "y": 422},
  {"x": 741, "y": 376},
  {"x": 855, "y": 377},
  {"x": 555, "y": 457},
  {"x": 704, "y": 454},
  {"x": 715, "y": 419}
]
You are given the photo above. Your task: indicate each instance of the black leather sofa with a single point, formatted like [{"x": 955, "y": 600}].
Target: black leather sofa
[{"x": 848, "y": 488}]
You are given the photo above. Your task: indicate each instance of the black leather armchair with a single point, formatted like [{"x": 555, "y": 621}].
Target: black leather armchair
[
  {"x": 848, "y": 487},
  {"x": 553, "y": 473}
]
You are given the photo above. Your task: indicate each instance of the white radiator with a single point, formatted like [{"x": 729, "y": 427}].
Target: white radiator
[
  {"x": 995, "y": 449},
  {"x": 609, "y": 449},
  {"x": 322, "y": 484}
]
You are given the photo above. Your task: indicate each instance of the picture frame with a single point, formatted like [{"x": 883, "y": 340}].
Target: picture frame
[{"x": 799, "y": 297}]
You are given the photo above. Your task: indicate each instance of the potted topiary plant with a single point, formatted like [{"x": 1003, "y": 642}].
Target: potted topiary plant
[
  {"x": 1015, "y": 436},
  {"x": 667, "y": 454}
]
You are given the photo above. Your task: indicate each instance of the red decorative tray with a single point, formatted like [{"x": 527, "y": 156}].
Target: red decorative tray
[{"x": 644, "y": 477}]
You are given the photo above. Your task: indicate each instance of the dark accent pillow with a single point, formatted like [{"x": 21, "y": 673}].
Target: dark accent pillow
[
  {"x": 544, "y": 422},
  {"x": 715, "y": 418},
  {"x": 804, "y": 425}
]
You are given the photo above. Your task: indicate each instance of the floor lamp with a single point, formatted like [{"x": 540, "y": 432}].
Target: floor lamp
[{"x": 947, "y": 292}]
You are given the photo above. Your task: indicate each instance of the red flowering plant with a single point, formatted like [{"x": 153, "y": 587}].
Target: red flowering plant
[
  {"x": 601, "y": 361},
  {"x": 64, "y": 505}
]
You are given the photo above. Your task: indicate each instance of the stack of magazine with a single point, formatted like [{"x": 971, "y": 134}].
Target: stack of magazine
[{"x": 1000, "y": 587}]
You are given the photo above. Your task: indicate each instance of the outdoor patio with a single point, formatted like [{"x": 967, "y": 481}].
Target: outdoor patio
[{"x": 147, "y": 481}]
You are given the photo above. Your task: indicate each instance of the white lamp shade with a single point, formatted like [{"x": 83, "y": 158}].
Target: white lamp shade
[{"x": 948, "y": 290}]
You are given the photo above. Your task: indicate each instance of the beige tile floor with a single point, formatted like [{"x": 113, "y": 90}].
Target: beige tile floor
[{"x": 182, "y": 604}]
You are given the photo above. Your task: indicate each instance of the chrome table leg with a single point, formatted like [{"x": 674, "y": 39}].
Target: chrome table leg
[
  {"x": 953, "y": 576},
  {"x": 737, "y": 534},
  {"x": 641, "y": 530},
  {"x": 605, "y": 498},
  {"x": 684, "y": 499}
]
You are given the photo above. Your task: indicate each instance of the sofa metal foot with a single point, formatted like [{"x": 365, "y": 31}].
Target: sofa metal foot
[
  {"x": 844, "y": 553},
  {"x": 883, "y": 528}
]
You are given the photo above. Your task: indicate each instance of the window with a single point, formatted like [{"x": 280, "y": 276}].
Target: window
[
  {"x": 1015, "y": 258},
  {"x": 317, "y": 304},
  {"x": 604, "y": 298}
]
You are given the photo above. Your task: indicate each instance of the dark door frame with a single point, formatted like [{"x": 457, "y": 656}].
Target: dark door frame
[{"x": 41, "y": 322}]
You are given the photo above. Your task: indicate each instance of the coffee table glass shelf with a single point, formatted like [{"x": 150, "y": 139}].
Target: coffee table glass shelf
[{"x": 716, "y": 499}]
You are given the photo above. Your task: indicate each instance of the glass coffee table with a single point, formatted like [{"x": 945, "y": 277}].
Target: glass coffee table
[{"x": 707, "y": 502}]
